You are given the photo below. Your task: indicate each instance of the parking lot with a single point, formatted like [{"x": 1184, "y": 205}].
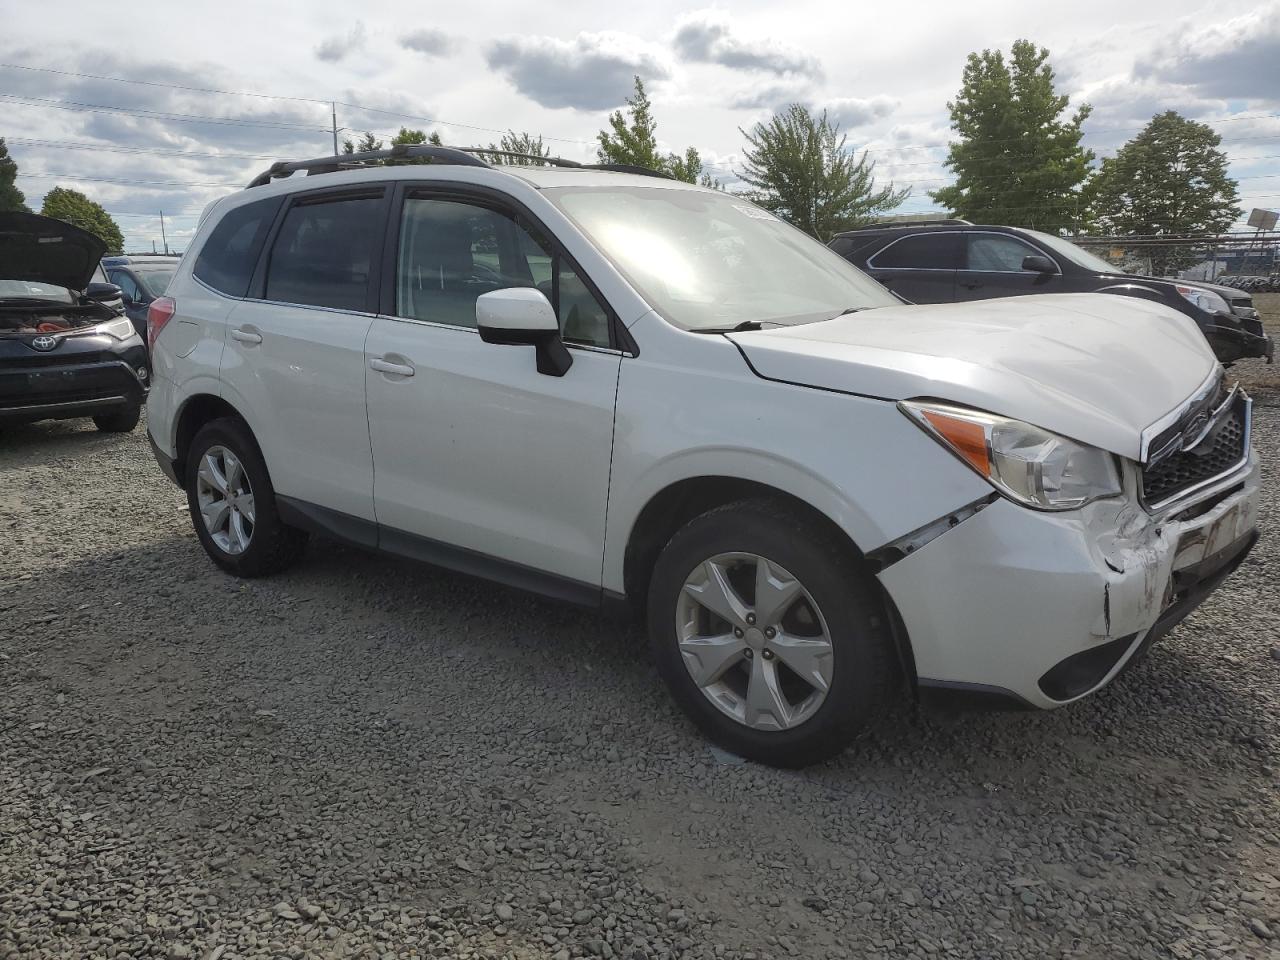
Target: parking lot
[{"x": 369, "y": 757}]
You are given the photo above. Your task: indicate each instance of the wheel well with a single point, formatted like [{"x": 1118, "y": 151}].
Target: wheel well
[
  {"x": 198, "y": 411},
  {"x": 679, "y": 503}
]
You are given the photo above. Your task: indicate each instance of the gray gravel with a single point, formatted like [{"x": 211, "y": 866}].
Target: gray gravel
[{"x": 367, "y": 757}]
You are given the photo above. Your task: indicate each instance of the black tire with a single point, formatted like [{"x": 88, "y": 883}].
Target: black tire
[
  {"x": 865, "y": 675},
  {"x": 273, "y": 546},
  {"x": 121, "y": 421}
]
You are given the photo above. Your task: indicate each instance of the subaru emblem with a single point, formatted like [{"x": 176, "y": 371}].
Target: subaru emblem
[{"x": 44, "y": 342}]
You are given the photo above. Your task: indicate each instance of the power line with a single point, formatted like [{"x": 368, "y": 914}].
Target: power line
[
  {"x": 154, "y": 114},
  {"x": 158, "y": 83},
  {"x": 126, "y": 180}
]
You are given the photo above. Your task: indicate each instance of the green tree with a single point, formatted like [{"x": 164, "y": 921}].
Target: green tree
[
  {"x": 631, "y": 139},
  {"x": 11, "y": 197},
  {"x": 1017, "y": 161},
  {"x": 1169, "y": 179},
  {"x": 77, "y": 209},
  {"x": 411, "y": 137},
  {"x": 368, "y": 143},
  {"x": 513, "y": 142},
  {"x": 800, "y": 169}
]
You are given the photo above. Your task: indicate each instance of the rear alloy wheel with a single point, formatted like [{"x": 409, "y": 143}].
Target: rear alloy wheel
[
  {"x": 769, "y": 633},
  {"x": 233, "y": 505},
  {"x": 122, "y": 421}
]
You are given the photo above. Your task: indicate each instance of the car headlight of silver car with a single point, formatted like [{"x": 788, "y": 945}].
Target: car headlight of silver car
[
  {"x": 121, "y": 328},
  {"x": 1028, "y": 464},
  {"x": 1206, "y": 300}
]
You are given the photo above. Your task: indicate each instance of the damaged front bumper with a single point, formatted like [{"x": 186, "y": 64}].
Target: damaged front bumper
[{"x": 1045, "y": 608}]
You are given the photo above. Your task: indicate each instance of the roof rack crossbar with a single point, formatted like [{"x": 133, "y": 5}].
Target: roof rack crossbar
[{"x": 462, "y": 156}]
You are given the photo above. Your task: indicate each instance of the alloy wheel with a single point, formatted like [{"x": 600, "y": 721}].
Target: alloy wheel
[
  {"x": 225, "y": 498},
  {"x": 754, "y": 641}
]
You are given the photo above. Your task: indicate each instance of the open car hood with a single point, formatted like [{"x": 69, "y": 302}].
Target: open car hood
[
  {"x": 46, "y": 250},
  {"x": 1094, "y": 367}
]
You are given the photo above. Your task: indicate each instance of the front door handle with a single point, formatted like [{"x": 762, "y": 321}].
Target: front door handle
[
  {"x": 395, "y": 369},
  {"x": 971, "y": 284},
  {"x": 246, "y": 336}
]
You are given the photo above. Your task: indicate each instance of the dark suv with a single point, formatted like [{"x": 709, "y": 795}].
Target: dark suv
[
  {"x": 141, "y": 279},
  {"x": 952, "y": 260}
]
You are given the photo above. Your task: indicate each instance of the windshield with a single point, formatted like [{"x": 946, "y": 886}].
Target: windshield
[
  {"x": 1077, "y": 255},
  {"x": 155, "y": 279},
  {"x": 710, "y": 261},
  {"x": 33, "y": 290}
]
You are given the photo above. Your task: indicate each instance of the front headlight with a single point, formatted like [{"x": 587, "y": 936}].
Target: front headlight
[
  {"x": 121, "y": 328},
  {"x": 1027, "y": 464},
  {"x": 1206, "y": 300}
]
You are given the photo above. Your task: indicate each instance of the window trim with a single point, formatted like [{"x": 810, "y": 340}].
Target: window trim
[
  {"x": 620, "y": 339},
  {"x": 871, "y": 260},
  {"x": 1017, "y": 239},
  {"x": 964, "y": 235},
  {"x": 380, "y": 190}
]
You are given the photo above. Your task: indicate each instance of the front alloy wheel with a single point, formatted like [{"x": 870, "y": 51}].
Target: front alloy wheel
[
  {"x": 754, "y": 641},
  {"x": 225, "y": 496},
  {"x": 770, "y": 632}
]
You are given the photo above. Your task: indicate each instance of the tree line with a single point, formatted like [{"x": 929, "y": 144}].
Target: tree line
[{"x": 1016, "y": 156}]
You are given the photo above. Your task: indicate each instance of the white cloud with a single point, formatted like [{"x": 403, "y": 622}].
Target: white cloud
[
  {"x": 336, "y": 48},
  {"x": 428, "y": 42},
  {"x": 593, "y": 71},
  {"x": 708, "y": 36},
  {"x": 851, "y": 112}
]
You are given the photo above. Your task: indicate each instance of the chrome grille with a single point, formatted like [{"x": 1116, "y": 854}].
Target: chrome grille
[{"x": 1222, "y": 449}]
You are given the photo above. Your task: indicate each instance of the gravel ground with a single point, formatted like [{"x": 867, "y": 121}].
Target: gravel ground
[{"x": 368, "y": 757}]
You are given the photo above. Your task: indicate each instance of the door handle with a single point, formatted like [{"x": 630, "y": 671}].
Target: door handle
[
  {"x": 246, "y": 336},
  {"x": 971, "y": 284},
  {"x": 395, "y": 369}
]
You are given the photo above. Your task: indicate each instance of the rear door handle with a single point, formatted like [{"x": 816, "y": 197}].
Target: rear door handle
[
  {"x": 395, "y": 369},
  {"x": 246, "y": 336}
]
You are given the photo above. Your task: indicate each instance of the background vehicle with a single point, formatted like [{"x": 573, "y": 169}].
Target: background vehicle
[
  {"x": 954, "y": 261},
  {"x": 141, "y": 279},
  {"x": 66, "y": 350},
  {"x": 616, "y": 388}
]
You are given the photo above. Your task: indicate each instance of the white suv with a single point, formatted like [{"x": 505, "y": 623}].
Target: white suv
[{"x": 605, "y": 387}]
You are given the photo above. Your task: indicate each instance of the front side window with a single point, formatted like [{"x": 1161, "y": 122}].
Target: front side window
[
  {"x": 126, "y": 285},
  {"x": 924, "y": 251},
  {"x": 995, "y": 253},
  {"x": 227, "y": 258},
  {"x": 452, "y": 251},
  {"x": 323, "y": 254},
  {"x": 709, "y": 261},
  {"x": 154, "y": 280}
]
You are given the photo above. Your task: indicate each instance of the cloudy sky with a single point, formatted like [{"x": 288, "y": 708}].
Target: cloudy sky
[{"x": 222, "y": 90}]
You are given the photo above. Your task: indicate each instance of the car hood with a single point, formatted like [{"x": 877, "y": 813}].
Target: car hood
[
  {"x": 1093, "y": 367},
  {"x": 46, "y": 250}
]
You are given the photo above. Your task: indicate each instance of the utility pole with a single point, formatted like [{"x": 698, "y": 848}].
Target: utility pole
[
  {"x": 153, "y": 246},
  {"x": 162, "y": 234},
  {"x": 334, "y": 108}
]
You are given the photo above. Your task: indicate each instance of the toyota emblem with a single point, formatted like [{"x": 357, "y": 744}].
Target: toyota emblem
[{"x": 44, "y": 342}]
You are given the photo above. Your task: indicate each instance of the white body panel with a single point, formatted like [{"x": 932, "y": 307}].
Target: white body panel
[
  {"x": 1080, "y": 364},
  {"x": 304, "y": 383},
  {"x": 478, "y": 450}
]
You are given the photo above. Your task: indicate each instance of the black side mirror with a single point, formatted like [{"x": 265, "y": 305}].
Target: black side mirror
[
  {"x": 103, "y": 292},
  {"x": 1039, "y": 264},
  {"x": 523, "y": 315}
]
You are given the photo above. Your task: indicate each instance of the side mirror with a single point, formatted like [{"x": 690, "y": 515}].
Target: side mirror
[
  {"x": 102, "y": 292},
  {"x": 523, "y": 315},
  {"x": 1039, "y": 264}
]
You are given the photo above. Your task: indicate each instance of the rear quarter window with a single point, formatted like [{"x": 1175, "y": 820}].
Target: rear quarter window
[{"x": 227, "y": 259}]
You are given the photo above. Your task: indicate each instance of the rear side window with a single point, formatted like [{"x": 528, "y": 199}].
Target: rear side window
[
  {"x": 924, "y": 251},
  {"x": 323, "y": 254},
  {"x": 227, "y": 259}
]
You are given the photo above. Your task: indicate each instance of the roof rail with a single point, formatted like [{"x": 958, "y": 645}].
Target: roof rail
[
  {"x": 461, "y": 156},
  {"x": 907, "y": 221}
]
